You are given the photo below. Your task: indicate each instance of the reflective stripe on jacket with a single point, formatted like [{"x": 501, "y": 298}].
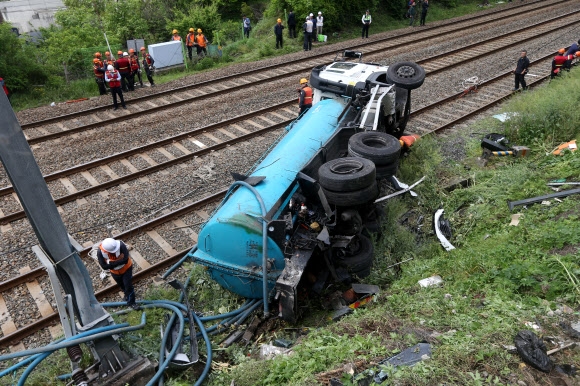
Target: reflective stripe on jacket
[
  {"x": 123, "y": 65},
  {"x": 305, "y": 98},
  {"x": 119, "y": 270},
  {"x": 113, "y": 78},
  {"x": 134, "y": 61}
]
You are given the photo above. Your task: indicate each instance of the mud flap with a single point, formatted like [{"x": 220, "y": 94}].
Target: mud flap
[{"x": 287, "y": 284}]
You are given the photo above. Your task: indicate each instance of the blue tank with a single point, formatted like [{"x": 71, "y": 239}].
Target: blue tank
[{"x": 230, "y": 244}]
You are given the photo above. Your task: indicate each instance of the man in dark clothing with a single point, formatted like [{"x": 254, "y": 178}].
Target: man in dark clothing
[
  {"x": 424, "y": 9},
  {"x": 148, "y": 65},
  {"x": 114, "y": 256},
  {"x": 278, "y": 28},
  {"x": 292, "y": 25},
  {"x": 573, "y": 49},
  {"x": 521, "y": 70},
  {"x": 411, "y": 13},
  {"x": 122, "y": 64}
]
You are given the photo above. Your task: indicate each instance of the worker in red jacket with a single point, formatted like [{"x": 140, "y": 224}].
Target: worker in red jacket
[
  {"x": 113, "y": 78},
  {"x": 99, "y": 70},
  {"x": 135, "y": 69},
  {"x": 148, "y": 65},
  {"x": 558, "y": 63},
  {"x": 124, "y": 67}
]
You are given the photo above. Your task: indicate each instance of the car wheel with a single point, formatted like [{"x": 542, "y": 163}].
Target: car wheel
[
  {"x": 359, "y": 197},
  {"x": 347, "y": 174},
  {"x": 381, "y": 148},
  {"x": 407, "y": 75},
  {"x": 359, "y": 264}
]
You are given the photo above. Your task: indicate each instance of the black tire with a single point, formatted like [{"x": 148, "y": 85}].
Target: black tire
[
  {"x": 361, "y": 263},
  {"x": 347, "y": 174},
  {"x": 386, "y": 171},
  {"x": 381, "y": 148},
  {"x": 407, "y": 75},
  {"x": 359, "y": 197}
]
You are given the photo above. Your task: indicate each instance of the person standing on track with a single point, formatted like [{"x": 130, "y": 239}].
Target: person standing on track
[
  {"x": 307, "y": 28},
  {"x": 114, "y": 256},
  {"x": 124, "y": 68},
  {"x": 278, "y": 28},
  {"x": 424, "y": 10},
  {"x": 148, "y": 65},
  {"x": 99, "y": 71},
  {"x": 190, "y": 42},
  {"x": 521, "y": 70},
  {"x": 113, "y": 78},
  {"x": 366, "y": 21},
  {"x": 305, "y": 98},
  {"x": 292, "y": 25}
]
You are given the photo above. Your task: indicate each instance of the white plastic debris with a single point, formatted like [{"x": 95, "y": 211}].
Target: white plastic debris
[
  {"x": 268, "y": 351},
  {"x": 53, "y": 104},
  {"x": 516, "y": 219},
  {"x": 505, "y": 116},
  {"x": 430, "y": 281}
]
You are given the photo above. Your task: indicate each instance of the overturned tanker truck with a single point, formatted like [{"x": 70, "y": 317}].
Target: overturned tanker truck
[{"x": 302, "y": 218}]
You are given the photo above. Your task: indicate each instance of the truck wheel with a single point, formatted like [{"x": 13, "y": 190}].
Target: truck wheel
[
  {"x": 381, "y": 148},
  {"x": 347, "y": 174},
  {"x": 359, "y": 197},
  {"x": 359, "y": 264},
  {"x": 407, "y": 75},
  {"x": 386, "y": 171}
]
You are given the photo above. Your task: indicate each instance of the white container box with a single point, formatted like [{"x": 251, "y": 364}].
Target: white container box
[{"x": 166, "y": 54}]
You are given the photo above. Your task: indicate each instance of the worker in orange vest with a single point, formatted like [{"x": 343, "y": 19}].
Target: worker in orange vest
[
  {"x": 190, "y": 43},
  {"x": 305, "y": 98},
  {"x": 114, "y": 256},
  {"x": 175, "y": 36},
  {"x": 124, "y": 67},
  {"x": 135, "y": 69},
  {"x": 201, "y": 42},
  {"x": 148, "y": 65},
  {"x": 99, "y": 70},
  {"x": 113, "y": 78}
]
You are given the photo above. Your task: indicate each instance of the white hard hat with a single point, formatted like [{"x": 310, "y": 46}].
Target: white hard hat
[
  {"x": 125, "y": 54},
  {"x": 111, "y": 245},
  {"x": 311, "y": 15},
  {"x": 110, "y": 68},
  {"x": 320, "y": 13},
  {"x": 307, "y": 17}
]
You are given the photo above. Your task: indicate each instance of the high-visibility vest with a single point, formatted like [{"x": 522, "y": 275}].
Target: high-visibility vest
[
  {"x": 307, "y": 96},
  {"x": 97, "y": 69},
  {"x": 200, "y": 40},
  {"x": 112, "y": 257},
  {"x": 176, "y": 38},
  {"x": 559, "y": 60},
  {"x": 134, "y": 61},
  {"x": 190, "y": 39},
  {"x": 114, "y": 82},
  {"x": 147, "y": 59}
]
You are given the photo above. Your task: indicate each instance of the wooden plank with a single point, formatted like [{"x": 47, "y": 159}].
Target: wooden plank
[
  {"x": 71, "y": 189},
  {"x": 184, "y": 228},
  {"x": 197, "y": 143},
  {"x": 17, "y": 200},
  {"x": 292, "y": 113},
  {"x": 61, "y": 126},
  {"x": 213, "y": 138},
  {"x": 267, "y": 120},
  {"x": 7, "y": 326},
  {"x": 148, "y": 159},
  {"x": 277, "y": 115},
  {"x": 55, "y": 331},
  {"x": 166, "y": 153},
  {"x": 151, "y": 104},
  {"x": 231, "y": 135},
  {"x": 36, "y": 291},
  {"x": 181, "y": 148},
  {"x": 255, "y": 124},
  {"x": 17, "y": 347},
  {"x": 93, "y": 181},
  {"x": 162, "y": 243},
  {"x": 138, "y": 259},
  {"x": 95, "y": 117},
  {"x": 113, "y": 175},
  {"x": 239, "y": 128},
  {"x": 203, "y": 214},
  {"x": 6, "y": 227},
  {"x": 129, "y": 165}
]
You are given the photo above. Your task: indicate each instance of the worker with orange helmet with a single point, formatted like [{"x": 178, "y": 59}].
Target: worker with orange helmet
[
  {"x": 190, "y": 43},
  {"x": 558, "y": 62},
  {"x": 148, "y": 65},
  {"x": 175, "y": 37},
  {"x": 99, "y": 71},
  {"x": 305, "y": 98},
  {"x": 124, "y": 67},
  {"x": 201, "y": 42},
  {"x": 135, "y": 69},
  {"x": 521, "y": 70},
  {"x": 278, "y": 28}
]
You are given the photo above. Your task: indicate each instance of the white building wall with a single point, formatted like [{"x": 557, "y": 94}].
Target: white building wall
[{"x": 29, "y": 15}]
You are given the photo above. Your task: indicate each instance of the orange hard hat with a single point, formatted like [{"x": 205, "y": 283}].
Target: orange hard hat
[
  {"x": 119, "y": 53},
  {"x": 561, "y": 50},
  {"x": 131, "y": 51},
  {"x": 97, "y": 54},
  {"x": 95, "y": 60},
  {"x": 107, "y": 53},
  {"x": 142, "y": 49},
  {"x": 577, "y": 53}
]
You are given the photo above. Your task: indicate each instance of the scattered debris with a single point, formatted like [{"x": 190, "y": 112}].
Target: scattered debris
[
  {"x": 532, "y": 325},
  {"x": 532, "y": 350},
  {"x": 573, "y": 330},
  {"x": 400, "y": 191},
  {"x": 546, "y": 203},
  {"x": 284, "y": 343},
  {"x": 442, "y": 229},
  {"x": 510, "y": 348},
  {"x": 565, "y": 146},
  {"x": 268, "y": 351},
  {"x": 232, "y": 338},
  {"x": 562, "y": 347},
  {"x": 505, "y": 116},
  {"x": 432, "y": 281},
  {"x": 464, "y": 183},
  {"x": 565, "y": 193},
  {"x": 205, "y": 172},
  {"x": 516, "y": 219},
  {"x": 251, "y": 330},
  {"x": 408, "y": 357}
]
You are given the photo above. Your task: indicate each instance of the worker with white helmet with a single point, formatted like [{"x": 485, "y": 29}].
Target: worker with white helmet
[
  {"x": 307, "y": 28},
  {"x": 113, "y": 78},
  {"x": 319, "y": 23},
  {"x": 114, "y": 256}
]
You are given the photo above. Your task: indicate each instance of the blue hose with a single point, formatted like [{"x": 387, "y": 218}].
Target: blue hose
[
  {"x": 208, "y": 348},
  {"x": 178, "y": 264}
]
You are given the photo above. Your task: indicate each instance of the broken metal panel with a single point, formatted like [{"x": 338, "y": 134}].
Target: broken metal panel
[{"x": 287, "y": 284}]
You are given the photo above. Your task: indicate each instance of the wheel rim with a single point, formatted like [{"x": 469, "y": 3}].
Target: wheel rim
[
  {"x": 405, "y": 72},
  {"x": 346, "y": 167}
]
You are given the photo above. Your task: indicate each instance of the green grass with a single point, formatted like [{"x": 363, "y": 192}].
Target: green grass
[{"x": 260, "y": 45}]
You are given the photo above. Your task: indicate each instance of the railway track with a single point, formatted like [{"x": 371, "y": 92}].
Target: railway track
[
  {"x": 187, "y": 218},
  {"x": 41, "y": 131}
]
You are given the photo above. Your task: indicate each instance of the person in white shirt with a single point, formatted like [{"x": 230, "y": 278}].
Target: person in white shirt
[{"x": 319, "y": 20}]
